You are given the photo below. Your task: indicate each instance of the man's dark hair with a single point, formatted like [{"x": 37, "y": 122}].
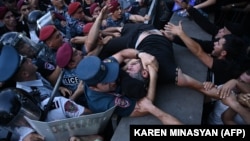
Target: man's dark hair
[
  {"x": 237, "y": 53},
  {"x": 235, "y": 46},
  {"x": 132, "y": 87}
]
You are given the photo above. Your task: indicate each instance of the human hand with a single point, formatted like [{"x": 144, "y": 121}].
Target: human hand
[
  {"x": 167, "y": 35},
  {"x": 106, "y": 39},
  {"x": 65, "y": 92},
  {"x": 244, "y": 99},
  {"x": 226, "y": 89},
  {"x": 148, "y": 59},
  {"x": 105, "y": 11},
  {"x": 116, "y": 34},
  {"x": 174, "y": 29},
  {"x": 146, "y": 18},
  {"x": 63, "y": 23},
  {"x": 33, "y": 137},
  {"x": 144, "y": 105},
  {"x": 209, "y": 85}
]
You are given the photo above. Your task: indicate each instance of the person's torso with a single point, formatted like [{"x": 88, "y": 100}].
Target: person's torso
[{"x": 70, "y": 79}]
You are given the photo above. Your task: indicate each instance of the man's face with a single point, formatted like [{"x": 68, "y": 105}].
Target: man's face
[
  {"x": 223, "y": 31},
  {"x": 57, "y": 3},
  {"x": 56, "y": 40},
  {"x": 9, "y": 19},
  {"x": 76, "y": 57},
  {"x": 28, "y": 66},
  {"x": 245, "y": 77},
  {"x": 133, "y": 67},
  {"x": 117, "y": 13},
  {"x": 25, "y": 10},
  {"x": 26, "y": 50},
  {"x": 218, "y": 47},
  {"x": 79, "y": 14},
  {"x": 96, "y": 11}
]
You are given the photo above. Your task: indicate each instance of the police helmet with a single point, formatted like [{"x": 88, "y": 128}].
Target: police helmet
[
  {"x": 21, "y": 43},
  {"x": 10, "y": 105},
  {"x": 34, "y": 16},
  {"x": 9, "y": 62},
  {"x": 15, "y": 104},
  {"x": 32, "y": 20}
]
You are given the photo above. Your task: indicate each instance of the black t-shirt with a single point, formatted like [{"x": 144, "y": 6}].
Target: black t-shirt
[
  {"x": 156, "y": 45},
  {"x": 225, "y": 70}
]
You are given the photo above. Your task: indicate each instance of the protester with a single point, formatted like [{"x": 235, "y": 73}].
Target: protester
[
  {"x": 103, "y": 93},
  {"x": 237, "y": 106},
  {"x": 230, "y": 89},
  {"x": 228, "y": 57}
]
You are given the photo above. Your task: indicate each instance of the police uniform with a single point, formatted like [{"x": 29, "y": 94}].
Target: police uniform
[
  {"x": 118, "y": 23},
  {"x": 44, "y": 67},
  {"x": 70, "y": 79},
  {"x": 74, "y": 28},
  {"x": 47, "y": 54},
  {"x": 62, "y": 107},
  {"x": 71, "y": 82},
  {"x": 100, "y": 101},
  {"x": 61, "y": 15}
]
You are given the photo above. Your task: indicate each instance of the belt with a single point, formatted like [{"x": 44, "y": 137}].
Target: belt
[{"x": 146, "y": 33}]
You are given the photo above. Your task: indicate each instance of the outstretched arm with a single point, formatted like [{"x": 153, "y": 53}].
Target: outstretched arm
[
  {"x": 146, "y": 105},
  {"x": 147, "y": 59},
  {"x": 226, "y": 89},
  {"x": 93, "y": 35},
  {"x": 193, "y": 46},
  {"x": 233, "y": 103}
]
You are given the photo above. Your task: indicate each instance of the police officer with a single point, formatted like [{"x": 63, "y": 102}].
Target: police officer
[
  {"x": 77, "y": 20},
  {"x": 51, "y": 39},
  {"x": 28, "y": 48},
  {"x": 23, "y": 71}
]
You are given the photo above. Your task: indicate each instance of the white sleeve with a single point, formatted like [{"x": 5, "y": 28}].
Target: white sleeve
[
  {"x": 23, "y": 132},
  {"x": 71, "y": 109},
  {"x": 64, "y": 108}
]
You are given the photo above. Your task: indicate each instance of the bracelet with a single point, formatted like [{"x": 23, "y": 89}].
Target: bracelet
[{"x": 137, "y": 54}]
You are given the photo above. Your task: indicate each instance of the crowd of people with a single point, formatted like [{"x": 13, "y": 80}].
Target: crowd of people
[{"x": 99, "y": 49}]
